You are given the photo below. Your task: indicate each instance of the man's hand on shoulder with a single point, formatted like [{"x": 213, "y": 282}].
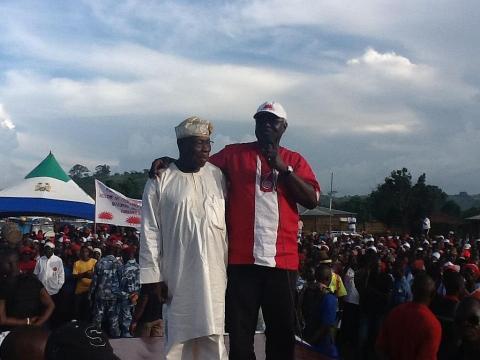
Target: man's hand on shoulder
[{"x": 158, "y": 165}]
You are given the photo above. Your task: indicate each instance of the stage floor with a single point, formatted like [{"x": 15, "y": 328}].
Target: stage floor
[{"x": 152, "y": 348}]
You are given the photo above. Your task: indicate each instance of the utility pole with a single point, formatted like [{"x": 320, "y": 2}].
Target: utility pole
[{"x": 330, "y": 194}]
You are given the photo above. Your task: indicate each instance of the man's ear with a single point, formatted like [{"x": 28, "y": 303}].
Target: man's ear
[{"x": 285, "y": 125}]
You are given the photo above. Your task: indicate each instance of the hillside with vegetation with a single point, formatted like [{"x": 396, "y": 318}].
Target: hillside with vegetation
[
  {"x": 130, "y": 184},
  {"x": 398, "y": 200}
]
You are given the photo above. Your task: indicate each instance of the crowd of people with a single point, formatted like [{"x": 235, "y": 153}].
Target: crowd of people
[
  {"x": 358, "y": 296},
  {"x": 390, "y": 297},
  {"x": 76, "y": 274}
]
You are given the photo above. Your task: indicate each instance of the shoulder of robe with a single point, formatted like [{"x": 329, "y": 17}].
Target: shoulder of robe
[{"x": 214, "y": 170}]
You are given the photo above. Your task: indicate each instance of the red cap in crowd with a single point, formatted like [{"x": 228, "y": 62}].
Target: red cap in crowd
[{"x": 26, "y": 250}]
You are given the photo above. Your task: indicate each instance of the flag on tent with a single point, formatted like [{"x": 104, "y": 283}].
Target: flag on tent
[
  {"x": 47, "y": 190},
  {"x": 115, "y": 208}
]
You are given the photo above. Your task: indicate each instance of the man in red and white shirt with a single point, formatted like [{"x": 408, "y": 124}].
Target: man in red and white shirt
[{"x": 266, "y": 181}]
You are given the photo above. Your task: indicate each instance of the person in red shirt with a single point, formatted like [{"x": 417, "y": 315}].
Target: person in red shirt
[
  {"x": 266, "y": 182},
  {"x": 26, "y": 264},
  {"x": 40, "y": 236},
  {"x": 411, "y": 331}
]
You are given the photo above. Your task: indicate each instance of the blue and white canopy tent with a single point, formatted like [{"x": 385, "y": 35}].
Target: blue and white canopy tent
[{"x": 47, "y": 190}]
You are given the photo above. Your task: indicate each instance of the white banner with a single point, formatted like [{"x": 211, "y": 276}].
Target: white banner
[{"x": 114, "y": 208}]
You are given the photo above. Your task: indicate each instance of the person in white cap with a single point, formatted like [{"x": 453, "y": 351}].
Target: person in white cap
[
  {"x": 183, "y": 246},
  {"x": 426, "y": 225},
  {"x": 97, "y": 253},
  {"x": 266, "y": 182},
  {"x": 49, "y": 270}
]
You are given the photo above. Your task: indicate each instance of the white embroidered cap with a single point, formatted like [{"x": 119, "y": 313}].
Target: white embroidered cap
[{"x": 193, "y": 126}]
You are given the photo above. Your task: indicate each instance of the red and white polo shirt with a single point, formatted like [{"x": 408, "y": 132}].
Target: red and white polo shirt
[{"x": 262, "y": 218}]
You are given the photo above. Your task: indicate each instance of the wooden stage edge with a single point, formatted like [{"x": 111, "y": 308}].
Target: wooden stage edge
[{"x": 152, "y": 349}]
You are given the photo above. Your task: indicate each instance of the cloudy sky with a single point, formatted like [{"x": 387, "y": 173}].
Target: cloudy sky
[{"x": 369, "y": 86}]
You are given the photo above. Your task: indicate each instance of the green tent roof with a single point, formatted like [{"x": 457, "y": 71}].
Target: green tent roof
[{"x": 49, "y": 167}]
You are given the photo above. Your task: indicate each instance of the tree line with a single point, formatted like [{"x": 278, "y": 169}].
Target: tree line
[
  {"x": 130, "y": 184},
  {"x": 400, "y": 202},
  {"x": 397, "y": 202}
]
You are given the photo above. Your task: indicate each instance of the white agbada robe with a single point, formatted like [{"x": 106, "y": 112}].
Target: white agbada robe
[{"x": 184, "y": 243}]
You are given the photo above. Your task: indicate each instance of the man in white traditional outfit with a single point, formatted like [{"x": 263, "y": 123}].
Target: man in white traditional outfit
[{"x": 183, "y": 246}]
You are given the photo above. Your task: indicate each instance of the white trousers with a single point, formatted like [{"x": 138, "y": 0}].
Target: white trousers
[{"x": 203, "y": 348}]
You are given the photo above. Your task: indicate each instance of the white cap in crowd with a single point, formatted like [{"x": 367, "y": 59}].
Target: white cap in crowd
[
  {"x": 272, "y": 107},
  {"x": 451, "y": 266}
]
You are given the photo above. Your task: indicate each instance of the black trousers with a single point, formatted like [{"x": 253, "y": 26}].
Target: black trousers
[
  {"x": 82, "y": 307},
  {"x": 249, "y": 288}
]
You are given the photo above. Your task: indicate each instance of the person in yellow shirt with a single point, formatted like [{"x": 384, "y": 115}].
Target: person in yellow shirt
[
  {"x": 336, "y": 284},
  {"x": 336, "y": 287},
  {"x": 83, "y": 272}
]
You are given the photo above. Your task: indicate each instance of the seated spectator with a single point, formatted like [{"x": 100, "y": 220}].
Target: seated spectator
[
  {"x": 129, "y": 289},
  {"x": 471, "y": 274},
  {"x": 11, "y": 235},
  {"x": 321, "y": 319},
  {"x": 78, "y": 341},
  {"x": 66, "y": 296},
  {"x": 23, "y": 298},
  {"x": 350, "y": 317},
  {"x": 308, "y": 297},
  {"x": 147, "y": 318},
  {"x": 105, "y": 291},
  {"x": 24, "y": 343},
  {"x": 97, "y": 253},
  {"x": 336, "y": 284},
  {"x": 444, "y": 309},
  {"x": 467, "y": 323},
  {"x": 26, "y": 263},
  {"x": 49, "y": 270},
  {"x": 83, "y": 272},
  {"x": 375, "y": 289},
  {"x": 401, "y": 287},
  {"x": 411, "y": 331}
]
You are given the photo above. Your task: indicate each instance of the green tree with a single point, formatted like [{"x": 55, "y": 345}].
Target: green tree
[
  {"x": 102, "y": 170},
  {"x": 78, "y": 171},
  {"x": 359, "y": 205},
  {"x": 425, "y": 200},
  {"x": 398, "y": 202},
  {"x": 390, "y": 200},
  {"x": 451, "y": 208},
  {"x": 473, "y": 211},
  {"x": 129, "y": 188}
]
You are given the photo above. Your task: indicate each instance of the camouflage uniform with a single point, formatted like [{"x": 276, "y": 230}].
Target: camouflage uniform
[
  {"x": 129, "y": 284},
  {"x": 105, "y": 291}
]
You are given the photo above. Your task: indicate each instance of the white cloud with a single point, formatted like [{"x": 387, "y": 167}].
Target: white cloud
[
  {"x": 389, "y": 62},
  {"x": 5, "y": 120},
  {"x": 152, "y": 83},
  {"x": 8, "y": 143},
  {"x": 112, "y": 93},
  {"x": 385, "y": 128}
]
